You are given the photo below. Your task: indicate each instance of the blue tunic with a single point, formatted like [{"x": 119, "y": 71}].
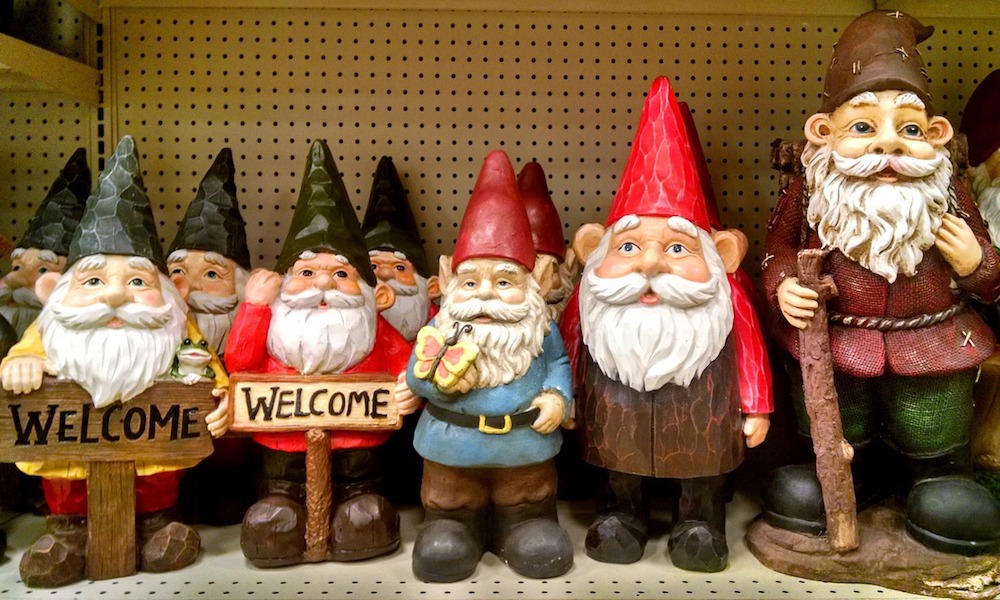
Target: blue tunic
[{"x": 457, "y": 446}]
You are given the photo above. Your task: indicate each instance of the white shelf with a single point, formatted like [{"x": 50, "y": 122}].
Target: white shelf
[
  {"x": 25, "y": 67},
  {"x": 221, "y": 572}
]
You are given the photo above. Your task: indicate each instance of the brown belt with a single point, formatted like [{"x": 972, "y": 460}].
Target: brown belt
[
  {"x": 492, "y": 424},
  {"x": 896, "y": 324}
]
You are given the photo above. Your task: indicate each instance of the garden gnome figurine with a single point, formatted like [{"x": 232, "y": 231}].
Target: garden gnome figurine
[
  {"x": 981, "y": 126},
  {"x": 396, "y": 254},
  {"x": 318, "y": 313},
  {"x": 907, "y": 247},
  {"x": 210, "y": 252},
  {"x": 44, "y": 245},
  {"x": 547, "y": 235},
  {"x": 660, "y": 386},
  {"x": 494, "y": 371},
  {"x": 113, "y": 323}
]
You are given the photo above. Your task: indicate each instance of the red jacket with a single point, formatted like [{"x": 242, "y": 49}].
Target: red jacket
[
  {"x": 956, "y": 344},
  {"x": 246, "y": 350}
]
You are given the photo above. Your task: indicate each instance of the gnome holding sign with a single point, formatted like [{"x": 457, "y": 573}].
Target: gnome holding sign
[
  {"x": 112, "y": 323},
  {"x": 43, "y": 247},
  {"x": 668, "y": 385},
  {"x": 907, "y": 247},
  {"x": 319, "y": 314},
  {"x": 497, "y": 381}
]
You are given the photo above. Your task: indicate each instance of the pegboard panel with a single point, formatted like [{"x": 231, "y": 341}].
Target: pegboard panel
[
  {"x": 437, "y": 90},
  {"x": 39, "y": 133}
]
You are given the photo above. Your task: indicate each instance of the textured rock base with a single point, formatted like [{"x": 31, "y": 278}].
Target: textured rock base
[{"x": 887, "y": 557}]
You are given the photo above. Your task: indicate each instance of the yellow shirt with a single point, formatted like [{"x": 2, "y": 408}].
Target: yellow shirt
[{"x": 31, "y": 345}]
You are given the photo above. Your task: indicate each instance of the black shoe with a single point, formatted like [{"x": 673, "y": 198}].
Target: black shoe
[
  {"x": 616, "y": 539},
  {"x": 537, "y": 547},
  {"x": 954, "y": 515},
  {"x": 449, "y": 546},
  {"x": 697, "y": 546},
  {"x": 793, "y": 500}
]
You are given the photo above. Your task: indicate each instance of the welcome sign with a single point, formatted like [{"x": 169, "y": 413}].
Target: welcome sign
[{"x": 274, "y": 402}]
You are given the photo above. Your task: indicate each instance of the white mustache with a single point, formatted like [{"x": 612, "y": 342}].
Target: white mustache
[
  {"x": 312, "y": 298},
  {"x": 498, "y": 310},
  {"x": 215, "y": 305},
  {"x": 870, "y": 164},
  {"x": 671, "y": 289},
  {"x": 402, "y": 289},
  {"x": 97, "y": 315}
]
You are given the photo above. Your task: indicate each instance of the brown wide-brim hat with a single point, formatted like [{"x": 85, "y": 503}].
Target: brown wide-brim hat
[{"x": 878, "y": 51}]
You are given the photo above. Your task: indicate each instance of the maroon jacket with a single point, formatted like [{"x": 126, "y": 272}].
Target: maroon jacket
[{"x": 957, "y": 343}]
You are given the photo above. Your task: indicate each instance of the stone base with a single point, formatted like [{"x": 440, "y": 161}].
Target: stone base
[{"x": 887, "y": 557}]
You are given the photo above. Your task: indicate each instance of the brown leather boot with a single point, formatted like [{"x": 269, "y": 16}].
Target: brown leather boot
[
  {"x": 274, "y": 528},
  {"x": 59, "y": 556},
  {"x": 164, "y": 544},
  {"x": 364, "y": 523}
]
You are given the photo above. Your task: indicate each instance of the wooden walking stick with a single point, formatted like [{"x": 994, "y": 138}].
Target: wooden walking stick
[
  {"x": 833, "y": 453},
  {"x": 319, "y": 495}
]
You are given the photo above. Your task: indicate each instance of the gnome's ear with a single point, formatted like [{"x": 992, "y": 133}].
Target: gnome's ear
[
  {"x": 573, "y": 265},
  {"x": 939, "y": 131},
  {"x": 587, "y": 239},
  {"x": 444, "y": 272},
  {"x": 546, "y": 272},
  {"x": 732, "y": 246},
  {"x": 45, "y": 284},
  {"x": 384, "y": 296},
  {"x": 819, "y": 128},
  {"x": 433, "y": 287}
]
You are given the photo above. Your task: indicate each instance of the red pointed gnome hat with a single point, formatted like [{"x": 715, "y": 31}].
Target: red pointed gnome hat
[
  {"x": 699, "y": 158},
  {"x": 495, "y": 224},
  {"x": 661, "y": 176},
  {"x": 546, "y": 227}
]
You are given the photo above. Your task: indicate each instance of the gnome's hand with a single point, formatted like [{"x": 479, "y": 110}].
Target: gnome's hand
[
  {"x": 463, "y": 384},
  {"x": 755, "y": 428},
  {"x": 407, "y": 402},
  {"x": 798, "y": 304},
  {"x": 262, "y": 287},
  {"x": 552, "y": 410},
  {"x": 958, "y": 245},
  {"x": 24, "y": 374},
  {"x": 218, "y": 421}
]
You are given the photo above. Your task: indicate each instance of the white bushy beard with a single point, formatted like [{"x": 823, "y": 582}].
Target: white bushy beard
[
  {"x": 647, "y": 347},
  {"x": 314, "y": 340},
  {"x": 560, "y": 294},
  {"x": 885, "y": 227},
  {"x": 26, "y": 309},
  {"x": 987, "y": 193},
  {"x": 214, "y": 316},
  {"x": 409, "y": 312},
  {"x": 508, "y": 345},
  {"x": 113, "y": 364}
]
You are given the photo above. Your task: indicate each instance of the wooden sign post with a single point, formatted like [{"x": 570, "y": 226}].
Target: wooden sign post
[
  {"x": 59, "y": 423},
  {"x": 263, "y": 402}
]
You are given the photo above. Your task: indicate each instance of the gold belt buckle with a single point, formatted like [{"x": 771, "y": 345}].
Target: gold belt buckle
[{"x": 494, "y": 430}]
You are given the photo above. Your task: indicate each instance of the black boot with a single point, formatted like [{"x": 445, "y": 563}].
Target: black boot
[
  {"x": 946, "y": 510},
  {"x": 364, "y": 523},
  {"x": 274, "y": 527},
  {"x": 530, "y": 540},
  {"x": 449, "y": 546},
  {"x": 698, "y": 538},
  {"x": 618, "y": 535}
]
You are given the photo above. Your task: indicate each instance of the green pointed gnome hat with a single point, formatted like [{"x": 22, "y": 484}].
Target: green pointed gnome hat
[
  {"x": 118, "y": 218},
  {"x": 324, "y": 220},
  {"x": 59, "y": 214},
  {"x": 389, "y": 223},
  {"x": 213, "y": 222}
]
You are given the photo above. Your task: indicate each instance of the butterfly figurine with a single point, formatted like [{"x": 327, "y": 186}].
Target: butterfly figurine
[{"x": 442, "y": 360}]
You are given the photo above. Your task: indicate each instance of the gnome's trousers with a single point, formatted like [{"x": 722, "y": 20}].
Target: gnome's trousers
[
  {"x": 152, "y": 493},
  {"x": 452, "y": 488}
]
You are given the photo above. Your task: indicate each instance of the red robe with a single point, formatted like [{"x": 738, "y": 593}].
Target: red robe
[{"x": 246, "y": 350}]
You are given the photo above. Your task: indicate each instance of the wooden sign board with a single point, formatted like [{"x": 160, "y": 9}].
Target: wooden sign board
[
  {"x": 60, "y": 422},
  {"x": 274, "y": 402}
]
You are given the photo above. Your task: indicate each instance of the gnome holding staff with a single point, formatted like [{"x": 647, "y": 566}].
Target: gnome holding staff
[
  {"x": 396, "y": 254},
  {"x": 318, "y": 313},
  {"x": 907, "y": 248},
  {"x": 662, "y": 388},
  {"x": 44, "y": 245},
  {"x": 112, "y": 323},
  {"x": 210, "y": 253},
  {"x": 494, "y": 371}
]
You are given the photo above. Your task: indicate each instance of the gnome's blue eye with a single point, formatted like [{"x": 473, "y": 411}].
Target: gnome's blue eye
[
  {"x": 913, "y": 130},
  {"x": 93, "y": 281},
  {"x": 862, "y": 128},
  {"x": 212, "y": 275},
  {"x": 676, "y": 249},
  {"x": 629, "y": 248},
  {"x": 401, "y": 268},
  {"x": 137, "y": 282}
]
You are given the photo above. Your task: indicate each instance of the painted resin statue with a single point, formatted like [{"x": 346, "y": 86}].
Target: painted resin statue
[
  {"x": 494, "y": 371},
  {"x": 113, "y": 323},
  {"x": 981, "y": 126},
  {"x": 210, "y": 252},
  {"x": 664, "y": 385},
  {"x": 907, "y": 247},
  {"x": 43, "y": 247},
  {"x": 318, "y": 314}
]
